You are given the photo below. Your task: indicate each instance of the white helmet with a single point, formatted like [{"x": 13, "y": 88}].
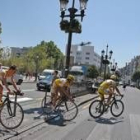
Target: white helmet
[{"x": 113, "y": 77}]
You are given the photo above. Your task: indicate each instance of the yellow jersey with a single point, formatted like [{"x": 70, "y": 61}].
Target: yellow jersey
[
  {"x": 106, "y": 85},
  {"x": 62, "y": 82}
]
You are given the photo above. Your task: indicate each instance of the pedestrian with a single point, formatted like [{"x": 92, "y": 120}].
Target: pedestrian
[{"x": 124, "y": 86}]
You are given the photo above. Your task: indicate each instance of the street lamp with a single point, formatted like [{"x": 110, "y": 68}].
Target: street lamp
[
  {"x": 36, "y": 62},
  {"x": 105, "y": 59},
  {"x": 71, "y": 26}
]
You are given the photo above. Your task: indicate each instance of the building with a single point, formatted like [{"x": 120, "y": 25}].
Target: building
[
  {"x": 85, "y": 55},
  {"x": 130, "y": 68},
  {"x": 16, "y": 51}
]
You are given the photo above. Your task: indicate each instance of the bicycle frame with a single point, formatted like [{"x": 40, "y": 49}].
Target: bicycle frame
[
  {"x": 8, "y": 105},
  {"x": 113, "y": 99}
]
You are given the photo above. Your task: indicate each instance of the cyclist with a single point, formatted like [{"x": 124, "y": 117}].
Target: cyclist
[
  {"x": 55, "y": 76},
  {"x": 4, "y": 74},
  {"x": 108, "y": 87},
  {"x": 62, "y": 86}
]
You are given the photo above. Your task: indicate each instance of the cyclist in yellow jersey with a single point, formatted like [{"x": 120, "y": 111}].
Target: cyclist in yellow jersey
[
  {"x": 108, "y": 87},
  {"x": 62, "y": 86},
  {"x": 4, "y": 74}
]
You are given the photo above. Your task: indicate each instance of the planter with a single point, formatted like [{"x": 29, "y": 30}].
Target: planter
[{"x": 74, "y": 27}]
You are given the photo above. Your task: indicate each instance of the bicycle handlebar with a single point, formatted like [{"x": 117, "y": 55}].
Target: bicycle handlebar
[
  {"x": 16, "y": 93},
  {"x": 116, "y": 95}
]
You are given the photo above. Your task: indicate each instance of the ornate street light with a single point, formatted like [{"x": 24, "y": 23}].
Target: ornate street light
[
  {"x": 71, "y": 26},
  {"x": 105, "y": 59},
  {"x": 63, "y": 5}
]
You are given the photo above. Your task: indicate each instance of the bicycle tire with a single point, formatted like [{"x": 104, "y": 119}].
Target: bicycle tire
[
  {"x": 68, "y": 110},
  {"x": 6, "y": 115},
  {"x": 46, "y": 105},
  {"x": 100, "y": 108},
  {"x": 116, "y": 105}
]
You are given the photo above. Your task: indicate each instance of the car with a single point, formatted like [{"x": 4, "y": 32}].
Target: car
[
  {"x": 47, "y": 72},
  {"x": 45, "y": 83},
  {"x": 17, "y": 77},
  {"x": 133, "y": 84}
]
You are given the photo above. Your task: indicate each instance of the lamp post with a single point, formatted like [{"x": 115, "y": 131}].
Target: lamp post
[
  {"x": 36, "y": 62},
  {"x": 0, "y": 31},
  {"x": 71, "y": 26},
  {"x": 105, "y": 59}
]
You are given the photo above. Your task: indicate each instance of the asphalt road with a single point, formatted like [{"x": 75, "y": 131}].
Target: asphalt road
[{"x": 83, "y": 127}]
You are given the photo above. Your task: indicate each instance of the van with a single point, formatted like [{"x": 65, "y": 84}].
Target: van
[
  {"x": 47, "y": 72},
  {"x": 17, "y": 77}
]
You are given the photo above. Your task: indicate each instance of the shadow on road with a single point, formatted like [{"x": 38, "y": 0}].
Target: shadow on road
[
  {"x": 33, "y": 110},
  {"x": 5, "y": 132},
  {"x": 110, "y": 120},
  {"x": 54, "y": 119}
]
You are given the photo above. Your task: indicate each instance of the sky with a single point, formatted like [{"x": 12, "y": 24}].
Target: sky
[{"x": 26, "y": 23}]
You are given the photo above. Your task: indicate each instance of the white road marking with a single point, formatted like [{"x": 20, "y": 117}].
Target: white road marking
[
  {"x": 23, "y": 99},
  {"x": 135, "y": 126},
  {"x": 23, "y": 90},
  {"x": 28, "y": 90},
  {"x": 20, "y": 99},
  {"x": 101, "y": 132}
]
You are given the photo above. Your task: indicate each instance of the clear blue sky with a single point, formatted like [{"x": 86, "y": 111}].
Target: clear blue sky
[{"x": 113, "y": 22}]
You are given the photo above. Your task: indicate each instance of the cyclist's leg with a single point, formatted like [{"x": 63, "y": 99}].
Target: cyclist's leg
[
  {"x": 55, "y": 96},
  {"x": 52, "y": 93},
  {"x": 107, "y": 92},
  {"x": 101, "y": 93}
]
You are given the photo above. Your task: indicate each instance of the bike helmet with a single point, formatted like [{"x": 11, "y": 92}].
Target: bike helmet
[
  {"x": 113, "y": 77},
  {"x": 70, "y": 77}
]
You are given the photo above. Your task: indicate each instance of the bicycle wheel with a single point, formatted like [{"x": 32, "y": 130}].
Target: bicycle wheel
[
  {"x": 117, "y": 108},
  {"x": 46, "y": 105},
  {"x": 68, "y": 110},
  {"x": 96, "y": 109},
  {"x": 10, "y": 119}
]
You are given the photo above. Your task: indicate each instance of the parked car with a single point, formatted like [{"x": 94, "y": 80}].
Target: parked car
[
  {"x": 45, "y": 83},
  {"x": 133, "y": 84},
  {"x": 47, "y": 72},
  {"x": 17, "y": 77}
]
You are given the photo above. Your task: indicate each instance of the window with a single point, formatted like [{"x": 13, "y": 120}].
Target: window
[
  {"x": 87, "y": 53},
  {"x": 87, "y": 58},
  {"x": 78, "y": 53}
]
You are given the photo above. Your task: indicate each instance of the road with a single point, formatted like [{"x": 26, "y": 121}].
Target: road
[{"x": 83, "y": 127}]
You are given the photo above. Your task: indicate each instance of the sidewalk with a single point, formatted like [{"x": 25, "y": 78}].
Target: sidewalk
[{"x": 28, "y": 79}]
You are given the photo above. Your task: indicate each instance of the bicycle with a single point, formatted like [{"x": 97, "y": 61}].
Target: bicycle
[
  {"x": 11, "y": 112},
  {"x": 65, "y": 107},
  {"x": 98, "y": 107}
]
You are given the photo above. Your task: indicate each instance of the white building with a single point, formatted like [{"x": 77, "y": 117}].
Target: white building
[{"x": 85, "y": 55}]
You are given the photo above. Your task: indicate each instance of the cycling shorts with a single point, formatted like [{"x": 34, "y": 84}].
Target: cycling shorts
[{"x": 102, "y": 91}]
